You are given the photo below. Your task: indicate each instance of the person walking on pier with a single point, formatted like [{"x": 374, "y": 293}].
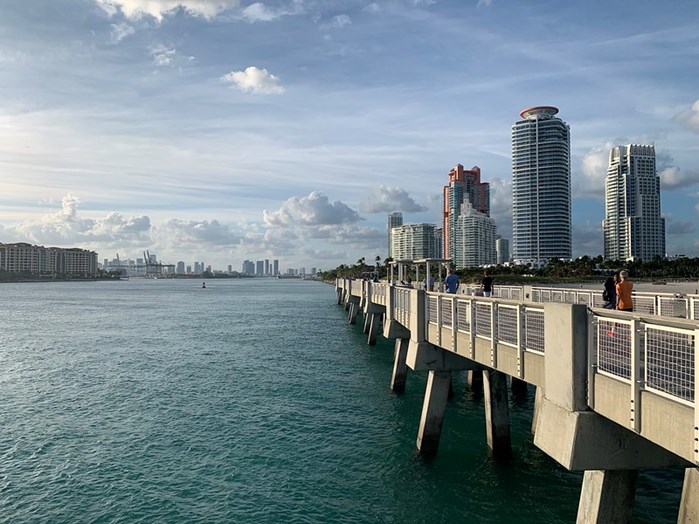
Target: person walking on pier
[
  {"x": 452, "y": 282},
  {"x": 487, "y": 285},
  {"x": 624, "y": 302},
  {"x": 609, "y": 295}
]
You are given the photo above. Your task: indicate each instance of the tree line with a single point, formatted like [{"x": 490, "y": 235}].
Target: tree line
[{"x": 582, "y": 268}]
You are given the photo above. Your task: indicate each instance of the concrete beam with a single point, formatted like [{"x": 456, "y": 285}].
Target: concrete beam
[
  {"x": 607, "y": 497},
  {"x": 426, "y": 356},
  {"x": 584, "y": 440},
  {"x": 497, "y": 413},
  {"x": 394, "y": 329},
  {"x": 436, "y": 395},
  {"x": 400, "y": 368},
  {"x": 538, "y": 399}
]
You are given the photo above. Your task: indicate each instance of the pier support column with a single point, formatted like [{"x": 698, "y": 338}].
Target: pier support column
[
  {"x": 367, "y": 323},
  {"x": 607, "y": 496},
  {"x": 519, "y": 387},
  {"x": 400, "y": 367},
  {"x": 497, "y": 413},
  {"x": 374, "y": 323},
  {"x": 353, "y": 310},
  {"x": 433, "y": 408},
  {"x": 689, "y": 504},
  {"x": 475, "y": 381},
  {"x": 538, "y": 399}
]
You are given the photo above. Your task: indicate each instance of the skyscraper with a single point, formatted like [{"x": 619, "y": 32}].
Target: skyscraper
[
  {"x": 633, "y": 227},
  {"x": 394, "y": 220},
  {"x": 464, "y": 186},
  {"x": 541, "y": 222}
]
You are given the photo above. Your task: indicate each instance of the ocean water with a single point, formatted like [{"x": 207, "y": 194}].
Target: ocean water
[{"x": 250, "y": 401}]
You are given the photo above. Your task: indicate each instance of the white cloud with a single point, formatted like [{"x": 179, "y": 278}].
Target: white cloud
[
  {"x": 672, "y": 177},
  {"x": 312, "y": 210},
  {"x": 388, "y": 199},
  {"x": 484, "y": 3},
  {"x": 372, "y": 8},
  {"x": 339, "y": 21},
  {"x": 135, "y": 9},
  {"x": 254, "y": 80},
  {"x": 689, "y": 117},
  {"x": 594, "y": 170},
  {"x": 67, "y": 228},
  {"x": 163, "y": 56},
  {"x": 258, "y": 12},
  {"x": 120, "y": 31},
  {"x": 501, "y": 205}
]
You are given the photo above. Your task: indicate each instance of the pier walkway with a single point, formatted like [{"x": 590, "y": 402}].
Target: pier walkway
[{"x": 615, "y": 391}]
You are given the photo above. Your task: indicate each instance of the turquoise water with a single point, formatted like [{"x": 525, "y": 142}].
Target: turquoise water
[{"x": 251, "y": 401}]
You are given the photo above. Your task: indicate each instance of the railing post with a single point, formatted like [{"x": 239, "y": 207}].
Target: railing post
[
  {"x": 494, "y": 334},
  {"x": 472, "y": 327},
  {"x": 592, "y": 336},
  {"x": 636, "y": 378},
  {"x": 439, "y": 320},
  {"x": 696, "y": 401},
  {"x": 454, "y": 318},
  {"x": 521, "y": 312}
]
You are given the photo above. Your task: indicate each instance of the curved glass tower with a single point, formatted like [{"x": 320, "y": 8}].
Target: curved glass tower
[{"x": 541, "y": 222}]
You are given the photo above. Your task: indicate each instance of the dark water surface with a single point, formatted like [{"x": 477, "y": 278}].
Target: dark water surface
[{"x": 251, "y": 401}]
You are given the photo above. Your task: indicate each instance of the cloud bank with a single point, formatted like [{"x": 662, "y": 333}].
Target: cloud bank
[{"x": 158, "y": 9}]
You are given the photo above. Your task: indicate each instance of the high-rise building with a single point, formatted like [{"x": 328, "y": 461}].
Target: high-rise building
[
  {"x": 266, "y": 266},
  {"x": 473, "y": 238},
  {"x": 633, "y": 227},
  {"x": 260, "y": 268},
  {"x": 541, "y": 216},
  {"x": 394, "y": 220},
  {"x": 413, "y": 241},
  {"x": 180, "y": 267},
  {"x": 275, "y": 265},
  {"x": 502, "y": 249},
  {"x": 464, "y": 186}
]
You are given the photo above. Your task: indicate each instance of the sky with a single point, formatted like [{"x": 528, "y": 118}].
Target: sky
[{"x": 225, "y": 130}]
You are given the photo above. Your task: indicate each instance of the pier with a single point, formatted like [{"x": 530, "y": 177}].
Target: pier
[{"x": 615, "y": 391}]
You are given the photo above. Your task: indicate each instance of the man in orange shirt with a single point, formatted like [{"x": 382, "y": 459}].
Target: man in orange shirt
[{"x": 624, "y": 288}]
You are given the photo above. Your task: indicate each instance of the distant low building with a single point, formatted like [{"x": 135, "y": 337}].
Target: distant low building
[{"x": 39, "y": 260}]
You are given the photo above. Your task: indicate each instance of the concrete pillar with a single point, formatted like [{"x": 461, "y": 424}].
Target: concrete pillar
[
  {"x": 497, "y": 413},
  {"x": 689, "y": 504},
  {"x": 607, "y": 496},
  {"x": 519, "y": 387},
  {"x": 374, "y": 323},
  {"x": 353, "y": 310},
  {"x": 367, "y": 323},
  {"x": 475, "y": 381},
  {"x": 538, "y": 399},
  {"x": 433, "y": 408},
  {"x": 400, "y": 368}
]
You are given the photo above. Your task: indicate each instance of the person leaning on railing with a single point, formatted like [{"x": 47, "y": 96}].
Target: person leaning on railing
[{"x": 624, "y": 288}]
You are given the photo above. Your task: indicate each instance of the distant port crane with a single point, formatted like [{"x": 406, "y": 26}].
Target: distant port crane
[{"x": 150, "y": 268}]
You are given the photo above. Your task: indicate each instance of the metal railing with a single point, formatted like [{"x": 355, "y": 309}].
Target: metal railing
[
  {"x": 499, "y": 322},
  {"x": 659, "y": 355}
]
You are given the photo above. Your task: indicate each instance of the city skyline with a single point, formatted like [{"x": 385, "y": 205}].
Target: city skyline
[{"x": 224, "y": 130}]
